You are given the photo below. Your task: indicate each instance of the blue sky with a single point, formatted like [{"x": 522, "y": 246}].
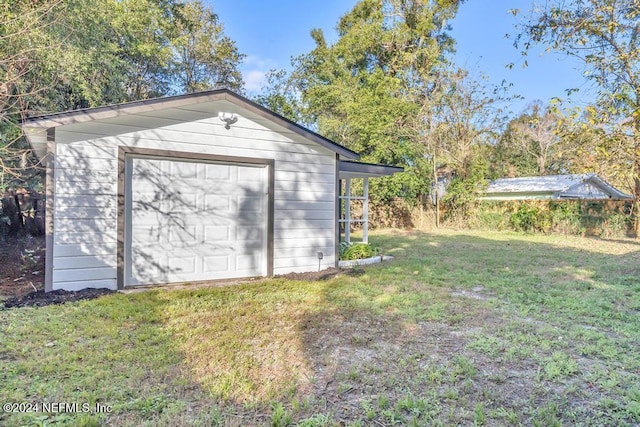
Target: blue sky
[{"x": 270, "y": 32}]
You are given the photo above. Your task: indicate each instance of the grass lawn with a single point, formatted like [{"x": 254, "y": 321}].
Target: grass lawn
[{"x": 462, "y": 328}]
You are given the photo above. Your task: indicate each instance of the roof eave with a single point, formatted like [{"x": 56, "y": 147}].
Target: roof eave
[
  {"x": 350, "y": 169},
  {"x": 519, "y": 195},
  {"x": 48, "y": 121},
  {"x": 610, "y": 190}
]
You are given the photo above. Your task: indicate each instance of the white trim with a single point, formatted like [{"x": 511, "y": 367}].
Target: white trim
[
  {"x": 348, "y": 263},
  {"x": 346, "y": 219},
  {"x": 365, "y": 212},
  {"x": 347, "y": 211}
]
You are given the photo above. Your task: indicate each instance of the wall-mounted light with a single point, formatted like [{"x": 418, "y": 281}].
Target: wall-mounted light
[{"x": 228, "y": 119}]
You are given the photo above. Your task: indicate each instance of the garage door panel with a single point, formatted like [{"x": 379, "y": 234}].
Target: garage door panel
[
  {"x": 247, "y": 262},
  {"x": 217, "y": 172},
  {"x": 183, "y": 202},
  {"x": 193, "y": 221},
  {"x": 182, "y": 265},
  {"x": 251, "y": 187},
  {"x": 147, "y": 196},
  {"x": 183, "y": 170},
  {"x": 177, "y": 250},
  {"x": 148, "y": 234},
  {"x": 217, "y": 202},
  {"x": 216, "y": 264},
  {"x": 185, "y": 234},
  {"x": 151, "y": 209},
  {"x": 253, "y": 204},
  {"x": 217, "y": 233},
  {"x": 250, "y": 175},
  {"x": 148, "y": 182},
  {"x": 148, "y": 169},
  {"x": 220, "y": 189},
  {"x": 145, "y": 267},
  {"x": 182, "y": 220},
  {"x": 249, "y": 236},
  {"x": 159, "y": 219}
]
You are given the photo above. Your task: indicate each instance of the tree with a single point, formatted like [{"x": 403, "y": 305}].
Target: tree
[
  {"x": 281, "y": 95},
  {"x": 58, "y": 55},
  {"x": 508, "y": 159},
  {"x": 134, "y": 41},
  {"x": 360, "y": 91},
  {"x": 529, "y": 144},
  {"x": 589, "y": 147},
  {"x": 459, "y": 124},
  {"x": 26, "y": 48},
  {"x": 204, "y": 57},
  {"x": 605, "y": 36},
  {"x": 465, "y": 116}
]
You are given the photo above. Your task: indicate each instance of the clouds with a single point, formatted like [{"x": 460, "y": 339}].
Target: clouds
[
  {"x": 254, "y": 80},
  {"x": 254, "y": 72}
]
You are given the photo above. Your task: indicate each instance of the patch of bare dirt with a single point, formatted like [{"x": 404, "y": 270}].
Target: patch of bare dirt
[
  {"x": 327, "y": 274},
  {"x": 21, "y": 266},
  {"x": 22, "y": 261},
  {"x": 476, "y": 293}
]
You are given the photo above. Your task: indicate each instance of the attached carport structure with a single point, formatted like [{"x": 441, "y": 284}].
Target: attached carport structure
[{"x": 349, "y": 171}]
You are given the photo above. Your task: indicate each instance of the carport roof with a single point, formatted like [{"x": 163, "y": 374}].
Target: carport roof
[{"x": 349, "y": 169}]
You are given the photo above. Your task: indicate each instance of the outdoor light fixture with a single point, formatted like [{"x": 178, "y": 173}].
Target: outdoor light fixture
[
  {"x": 228, "y": 119},
  {"x": 320, "y": 256}
]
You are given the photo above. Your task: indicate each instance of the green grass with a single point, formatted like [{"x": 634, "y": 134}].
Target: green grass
[{"x": 470, "y": 328}]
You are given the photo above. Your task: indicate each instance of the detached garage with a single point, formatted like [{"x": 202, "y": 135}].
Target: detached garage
[
  {"x": 190, "y": 188},
  {"x": 193, "y": 218}
]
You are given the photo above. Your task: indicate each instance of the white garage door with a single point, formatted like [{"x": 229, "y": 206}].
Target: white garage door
[{"x": 193, "y": 221}]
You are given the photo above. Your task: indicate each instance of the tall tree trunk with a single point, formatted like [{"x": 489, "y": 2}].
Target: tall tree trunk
[
  {"x": 436, "y": 192},
  {"x": 542, "y": 162},
  {"x": 636, "y": 178},
  {"x": 636, "y": 193}
]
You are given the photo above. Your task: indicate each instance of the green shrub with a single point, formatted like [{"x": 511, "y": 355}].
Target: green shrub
[
  {"x": 573, "y": 217},
  {"x": 616, "y": 225},
  {"x": 490, "y": 216},
  {"x": 530, "y": 218},
  {"x": 567, "y": 218},
  {"x": 350, "y": 251}
]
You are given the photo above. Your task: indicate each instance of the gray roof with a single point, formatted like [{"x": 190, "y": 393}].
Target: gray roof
[
  {"x": 559, "y": 186},
  {"x": 349, "y": 169}
]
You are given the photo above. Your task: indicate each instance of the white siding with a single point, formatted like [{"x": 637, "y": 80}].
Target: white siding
[{"x": 85, "y": 237}]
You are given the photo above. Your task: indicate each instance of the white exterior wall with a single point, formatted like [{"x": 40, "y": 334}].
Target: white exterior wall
[{"x": 86, "y": 175}]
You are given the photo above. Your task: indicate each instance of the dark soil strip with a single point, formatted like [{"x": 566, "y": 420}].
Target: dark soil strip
[{"x": 41, "y": 299}]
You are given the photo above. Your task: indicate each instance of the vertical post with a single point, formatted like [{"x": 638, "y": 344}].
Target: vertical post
[
  {"x": 19, "y": 218},
  {"x": 339, "y": 209},
  {"x": 435, "y": 188},
  {"x": 347, "y": 211},
  {"x": 337, "y": 212},
  {"x": 50, "y": 163},
  {"x": 365, "y": 211}
]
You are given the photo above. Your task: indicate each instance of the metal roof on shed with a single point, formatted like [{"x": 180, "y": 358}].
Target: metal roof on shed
[{"x": 556, "y": 186}]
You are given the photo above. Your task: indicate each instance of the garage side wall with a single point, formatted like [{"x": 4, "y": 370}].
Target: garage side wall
[{"x": 86, "y": 190}]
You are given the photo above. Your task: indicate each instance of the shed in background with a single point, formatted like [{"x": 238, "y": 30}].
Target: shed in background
[{"x": 553, "y": 187}]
